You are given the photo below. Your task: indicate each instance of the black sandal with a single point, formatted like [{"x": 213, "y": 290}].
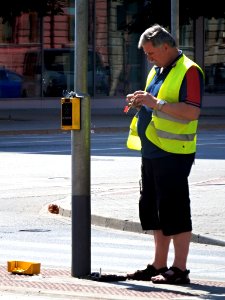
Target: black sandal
[
  {"x": 146, "y": 274},
  {"x": 177, "y": 276}
]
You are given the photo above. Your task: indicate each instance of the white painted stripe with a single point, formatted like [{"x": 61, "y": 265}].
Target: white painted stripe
[{"x": 104, "y": 251}]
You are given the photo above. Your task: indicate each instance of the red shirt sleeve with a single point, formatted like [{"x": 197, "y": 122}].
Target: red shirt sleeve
[{"x": 193, "y": 87}]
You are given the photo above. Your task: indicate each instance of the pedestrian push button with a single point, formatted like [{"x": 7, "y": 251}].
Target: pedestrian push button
[{"x": 70, "y": 113}]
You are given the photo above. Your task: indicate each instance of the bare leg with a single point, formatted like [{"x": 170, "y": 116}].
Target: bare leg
[
  {"x": 181, "y": 247},
  {"x": 159, "y": 264},
  {"x": 162, "y": 244}
]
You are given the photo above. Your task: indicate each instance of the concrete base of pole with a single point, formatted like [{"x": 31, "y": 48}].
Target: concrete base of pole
[{"x": 81, "y": 232}]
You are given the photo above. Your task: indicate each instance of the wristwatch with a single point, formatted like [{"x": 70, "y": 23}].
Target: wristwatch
[{"x": 160, "y": 104}]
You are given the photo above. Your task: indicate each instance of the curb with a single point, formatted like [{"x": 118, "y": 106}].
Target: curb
[
  {"x": 125, "y": 225},
  {"x": 96, "y": 130},
  {"x": 32, "y": 131}
]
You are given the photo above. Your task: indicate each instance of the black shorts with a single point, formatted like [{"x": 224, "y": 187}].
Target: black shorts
[{"x": 164, "y": 194}]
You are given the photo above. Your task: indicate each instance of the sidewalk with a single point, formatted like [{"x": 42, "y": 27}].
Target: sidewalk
[{"x": 58, "y": 283}]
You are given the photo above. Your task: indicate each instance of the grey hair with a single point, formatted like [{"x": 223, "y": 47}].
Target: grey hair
[{"x": 157, "y": 35}]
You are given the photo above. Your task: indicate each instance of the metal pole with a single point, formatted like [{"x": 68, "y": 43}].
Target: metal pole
[
  {"x": 81, "y": 208},
  {"x": 175, "y": 20}
]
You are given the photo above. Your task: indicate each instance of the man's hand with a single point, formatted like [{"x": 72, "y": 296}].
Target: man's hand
[
  {"x": 179, "y": 110},
  {"x": 138, "y": 98}
]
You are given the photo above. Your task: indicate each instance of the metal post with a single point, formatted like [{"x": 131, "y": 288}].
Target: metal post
[
  {"x": 175, "y": 20},
  {"x": 81, "y": 208}
]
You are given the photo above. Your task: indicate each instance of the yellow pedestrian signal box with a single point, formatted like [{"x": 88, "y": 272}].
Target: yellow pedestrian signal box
[{"x": 70, "y": 113}]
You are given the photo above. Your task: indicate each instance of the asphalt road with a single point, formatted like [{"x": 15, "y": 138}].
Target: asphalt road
[{"x": 210, "y": 144}]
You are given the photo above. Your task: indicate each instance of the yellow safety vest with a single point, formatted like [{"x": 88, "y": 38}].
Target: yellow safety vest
[{"x": 168, "y": 133}]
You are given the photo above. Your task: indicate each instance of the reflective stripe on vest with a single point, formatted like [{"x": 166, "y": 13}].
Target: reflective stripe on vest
[
  {"x": 166, "y": 132},
  {"x": 172, "y": 128}
]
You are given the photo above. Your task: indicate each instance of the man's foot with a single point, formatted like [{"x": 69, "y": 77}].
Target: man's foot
[
  {"x": 172, "y": 276},
  {"x": 146, "y": 274}
]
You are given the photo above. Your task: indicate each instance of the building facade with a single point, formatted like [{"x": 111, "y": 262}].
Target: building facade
[{"x": 37, "y": 52}]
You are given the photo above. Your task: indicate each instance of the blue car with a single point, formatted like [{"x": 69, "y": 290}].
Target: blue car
[{"x": 10, "y": 84}]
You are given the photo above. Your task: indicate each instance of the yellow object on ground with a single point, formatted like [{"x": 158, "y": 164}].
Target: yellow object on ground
[{"x": 24, "y": 267}]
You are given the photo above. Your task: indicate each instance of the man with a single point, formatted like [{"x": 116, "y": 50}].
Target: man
[{"x": 164, "y": 129}]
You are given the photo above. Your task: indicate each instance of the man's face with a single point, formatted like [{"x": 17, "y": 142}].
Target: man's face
[{"x": 156, "y": 55}]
